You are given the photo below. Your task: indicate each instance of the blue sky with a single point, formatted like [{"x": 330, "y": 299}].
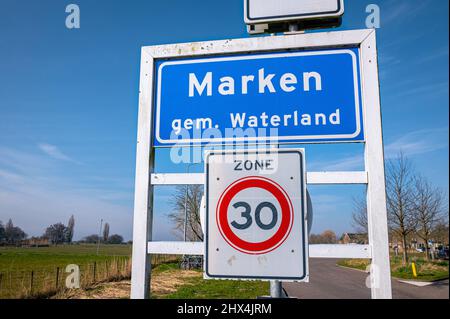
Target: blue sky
[{"x": 68, "y": 104}]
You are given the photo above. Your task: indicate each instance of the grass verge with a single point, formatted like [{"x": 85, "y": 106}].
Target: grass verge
[
  {"x": 426, "y": 270},
  {"x": 189, "y": 284}
]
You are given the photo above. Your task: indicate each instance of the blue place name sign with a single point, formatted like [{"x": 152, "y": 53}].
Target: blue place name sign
[{"x": 290, "y": 97}]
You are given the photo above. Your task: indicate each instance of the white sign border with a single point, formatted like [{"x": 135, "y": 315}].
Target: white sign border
[
  {"x": 282, "y": 139},
  {"x": 293, "y": 17},
  {"x": 304, "y": 213}
]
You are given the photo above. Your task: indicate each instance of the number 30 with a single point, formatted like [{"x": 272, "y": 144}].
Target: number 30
[{"x": 247, "y": 215}]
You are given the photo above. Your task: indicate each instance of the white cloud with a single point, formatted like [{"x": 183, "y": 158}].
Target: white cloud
[
  {"x": 418, "y": 143},
  {"x": 429, "y": 90},
  {"x": 441, "y": 52},
  {"x": 54, "y": 152},
  {"x": 395, "y": 11}
]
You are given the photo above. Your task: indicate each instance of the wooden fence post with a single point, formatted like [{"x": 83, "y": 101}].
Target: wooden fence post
[
  {"x": 95, "y": 269},
  {"x": 31, "y": 281}
]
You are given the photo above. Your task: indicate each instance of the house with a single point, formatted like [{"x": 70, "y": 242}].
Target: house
[
  {"x": 352, "y": 238},
  {"x": 36, "y": 242}
]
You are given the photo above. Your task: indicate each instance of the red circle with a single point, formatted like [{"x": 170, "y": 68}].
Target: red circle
[{"x": 286, "y": 212}]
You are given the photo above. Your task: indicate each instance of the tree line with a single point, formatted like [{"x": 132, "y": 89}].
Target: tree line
[
  {"x": 416, "y": 208},
  {"x": 105, "y": 238},
  {"x": 55, "y": 234},
  {"x": 10, "y": 234}
]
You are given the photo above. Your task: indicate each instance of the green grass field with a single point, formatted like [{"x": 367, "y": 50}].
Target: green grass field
[
  {"x": 198, "y": 288},
  {"x": 27, "y": 259},
  {"x": 34, "y": 271},
  {"x": 195, "y": 287},
  {"x": 426, "y": 270},
  {"x": 18, "y": 264}
]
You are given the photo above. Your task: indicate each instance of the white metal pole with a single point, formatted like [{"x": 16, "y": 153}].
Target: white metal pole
[
  {"x": 374, "y": 161},
  {"x": 143, "y": 198},
  {"x": 276, "y": 289}
]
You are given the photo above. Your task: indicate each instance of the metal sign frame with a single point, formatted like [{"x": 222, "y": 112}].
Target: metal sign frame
[{"x": 373, "y": 176}]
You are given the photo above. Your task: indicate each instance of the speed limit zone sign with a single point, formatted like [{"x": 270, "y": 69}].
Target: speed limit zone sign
[{"x": 256, "y": 226}]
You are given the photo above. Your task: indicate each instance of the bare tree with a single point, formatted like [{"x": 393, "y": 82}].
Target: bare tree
[
  {"x": 13, "y": 234},
  {"x": 2, "y": 232},
  {"x": 327, "y": 237},
  {"x": 359, "y": 215},
  {"x": 428, "y": 208},
  {"x": 314, "y": 239},
  {"x": 56, "y": 233},
  {"x": 188, "y": 197},
  {"x": 399, "y": 179},
  {"x": 70, "y": 229},
  {"x": 106, "y": 233},
  {"x": 115, "y": 239}
]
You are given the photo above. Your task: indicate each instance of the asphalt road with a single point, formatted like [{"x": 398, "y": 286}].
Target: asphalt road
[{"x": 329, "y": 281}]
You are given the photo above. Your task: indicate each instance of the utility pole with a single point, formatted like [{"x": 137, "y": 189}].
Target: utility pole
[{"x": 99, "y": 234}]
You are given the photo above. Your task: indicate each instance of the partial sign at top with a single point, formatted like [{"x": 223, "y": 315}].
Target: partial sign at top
[{"x": 265, "y": 11}]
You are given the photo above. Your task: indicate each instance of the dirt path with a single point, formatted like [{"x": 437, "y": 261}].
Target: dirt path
[{"x": 163, "y": 283}]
